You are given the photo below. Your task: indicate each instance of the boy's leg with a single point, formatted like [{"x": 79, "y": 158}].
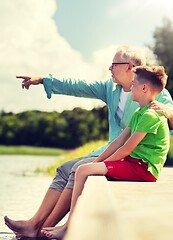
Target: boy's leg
[
  {"x": 81, "y": 175},
  {"x": 63, "y": 205},
  {"x": 70, "y": 183}
]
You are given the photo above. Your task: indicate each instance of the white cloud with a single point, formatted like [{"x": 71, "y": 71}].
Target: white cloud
[{"x": 31, "y": 45}]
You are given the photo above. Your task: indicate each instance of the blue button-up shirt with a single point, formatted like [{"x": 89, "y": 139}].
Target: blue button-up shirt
[{"x": 109, "y": 93}]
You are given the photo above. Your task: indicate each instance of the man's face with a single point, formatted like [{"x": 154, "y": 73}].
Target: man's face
[{"x": 118, "y": 70}]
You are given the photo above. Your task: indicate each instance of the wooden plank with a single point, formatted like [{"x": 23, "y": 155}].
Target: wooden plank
[
  {"x": 146, "y": 207},
  {"x": 96, "y": 215}
]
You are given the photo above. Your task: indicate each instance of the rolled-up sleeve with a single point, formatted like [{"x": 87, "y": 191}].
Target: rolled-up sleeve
[
  {"x": 77, "y": 88},
  {"x": 47, "y": 83},
  {"x": 165, "y": 98}
]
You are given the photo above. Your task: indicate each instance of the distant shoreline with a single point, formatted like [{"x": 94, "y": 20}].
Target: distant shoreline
[{"x": 29, "y": 150}]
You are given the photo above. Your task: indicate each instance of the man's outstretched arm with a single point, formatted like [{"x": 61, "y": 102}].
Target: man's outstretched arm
[{"x": 72, "y": 87}]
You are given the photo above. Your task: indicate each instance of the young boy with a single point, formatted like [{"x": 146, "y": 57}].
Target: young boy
[{"x": 139, "y": 153}]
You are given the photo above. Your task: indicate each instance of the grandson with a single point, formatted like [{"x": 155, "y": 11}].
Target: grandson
[{"x": 139, "y": 153}]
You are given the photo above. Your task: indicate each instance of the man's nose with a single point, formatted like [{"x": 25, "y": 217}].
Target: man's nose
[{"x": 110, "y": 68}]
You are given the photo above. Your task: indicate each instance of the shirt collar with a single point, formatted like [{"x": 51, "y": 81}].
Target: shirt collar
[
  {"x": 116, "y": 86},
  {"x": 141, "y": 111}
]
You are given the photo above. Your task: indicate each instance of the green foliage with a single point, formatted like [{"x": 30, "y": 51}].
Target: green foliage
[
  {"x": 68, "y": 129},
  {"x": 163, "y": 48}
]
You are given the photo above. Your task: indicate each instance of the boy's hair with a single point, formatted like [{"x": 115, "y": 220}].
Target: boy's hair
[
  {"x": 132, "y": 54},
  {"x": 153, "y": 74}
]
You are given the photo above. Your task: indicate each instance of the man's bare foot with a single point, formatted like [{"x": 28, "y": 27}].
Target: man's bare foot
[
  {"x": 55, "y": 232},
  {"x": 22, "y": 228}
]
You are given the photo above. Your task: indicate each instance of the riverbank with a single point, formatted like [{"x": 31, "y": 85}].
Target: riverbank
[{"x": 29, "y": 150}]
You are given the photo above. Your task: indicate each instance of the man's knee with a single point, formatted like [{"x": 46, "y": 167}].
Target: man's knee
[
  {"x": 62, "y": 175},
  {"x": 87, "y": 159},
  {"x": 65, "y": 168}
]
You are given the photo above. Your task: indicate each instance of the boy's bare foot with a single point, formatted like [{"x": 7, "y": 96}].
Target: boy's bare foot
[
  {"x": 55, "y": 232},
  {"x": 22, "y": 228}
]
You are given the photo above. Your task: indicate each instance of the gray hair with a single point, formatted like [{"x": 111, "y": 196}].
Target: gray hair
[{"x": 132, "y": 54}]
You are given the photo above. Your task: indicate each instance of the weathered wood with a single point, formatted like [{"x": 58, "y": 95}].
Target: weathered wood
[
  {"x": 147, "y": 208},
  {"x": 95, "y": 215},
  {"x": 124, "y": 210}
]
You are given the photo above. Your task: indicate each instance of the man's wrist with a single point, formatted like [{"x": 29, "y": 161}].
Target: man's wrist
[{"x": 41, "y": 80}]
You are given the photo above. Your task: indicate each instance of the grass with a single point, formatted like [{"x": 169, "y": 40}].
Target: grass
[
  {"x": 78, "y": 152},
  {"x": 26, "y": 150}
]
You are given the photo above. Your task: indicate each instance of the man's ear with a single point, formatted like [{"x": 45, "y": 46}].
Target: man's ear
[{"x": 130, "y": 66}]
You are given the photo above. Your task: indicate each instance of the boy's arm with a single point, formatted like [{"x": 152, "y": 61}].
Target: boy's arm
[
  {"x": 116, "y": 144},
  {"x": 128, "y": 147}
]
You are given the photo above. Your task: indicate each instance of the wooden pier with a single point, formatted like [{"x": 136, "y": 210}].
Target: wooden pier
[{"x": 120, "y": 210}]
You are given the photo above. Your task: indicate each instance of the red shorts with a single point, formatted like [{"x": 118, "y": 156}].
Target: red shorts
[{"x": 129, "y": 169}]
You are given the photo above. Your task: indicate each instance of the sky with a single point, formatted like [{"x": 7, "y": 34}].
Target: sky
[{"x": 68, "y": 39}]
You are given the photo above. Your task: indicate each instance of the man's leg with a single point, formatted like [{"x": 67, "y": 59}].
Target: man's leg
[
  {"x": 61, "y": 208},
  {"x": 31, "y": 227},
  {"x": 54, "y": 206}
]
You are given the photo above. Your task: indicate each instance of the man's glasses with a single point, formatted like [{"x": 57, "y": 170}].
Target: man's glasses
[{"x": 121, "y": 63}]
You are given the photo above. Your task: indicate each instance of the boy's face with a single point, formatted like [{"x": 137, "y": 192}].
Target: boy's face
[{"x": 137, "y": 89}]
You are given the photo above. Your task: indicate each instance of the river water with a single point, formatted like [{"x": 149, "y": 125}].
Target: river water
[{"x": 21, "y": 190}]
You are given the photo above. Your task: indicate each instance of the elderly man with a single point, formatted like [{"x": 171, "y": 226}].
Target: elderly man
[{"x": 116, "y": 94}]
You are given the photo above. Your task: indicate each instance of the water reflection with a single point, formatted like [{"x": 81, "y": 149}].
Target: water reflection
[{"x": 21, "y": 190}]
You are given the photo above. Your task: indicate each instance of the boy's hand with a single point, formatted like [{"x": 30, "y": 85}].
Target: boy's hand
[{"x": 28, "y": 81}]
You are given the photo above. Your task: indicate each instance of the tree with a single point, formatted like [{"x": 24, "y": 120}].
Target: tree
[
  {"x": 68, "y": 129},
  {"x": 163, "y": 48}
]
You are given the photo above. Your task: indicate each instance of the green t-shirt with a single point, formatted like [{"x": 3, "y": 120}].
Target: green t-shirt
[{"x": 155, "y": 145}]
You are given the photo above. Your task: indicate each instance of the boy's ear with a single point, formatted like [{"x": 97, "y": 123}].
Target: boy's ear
[{"x": 145, "y": 87}]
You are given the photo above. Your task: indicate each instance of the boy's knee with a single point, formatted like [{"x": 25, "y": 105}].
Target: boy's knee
[{"x": 81, "y": 170}]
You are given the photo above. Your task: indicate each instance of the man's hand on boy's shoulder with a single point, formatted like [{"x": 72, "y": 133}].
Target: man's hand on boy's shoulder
[{"x": 162, "y": 108}]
